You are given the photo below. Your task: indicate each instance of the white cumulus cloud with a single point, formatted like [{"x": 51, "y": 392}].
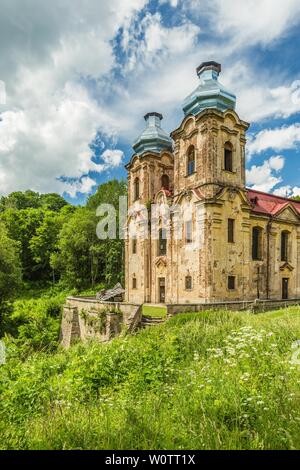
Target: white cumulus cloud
[
  {"x": 287, "y": 191},
  {"x": 48, "y": 52},
  {"x": 112, "y": 158},
  {"x": 264, "y": 177},
  {"x": 247, "y": 22},
  {"x": 280, "y": 138},
  {"x": 40, "y": 144}
]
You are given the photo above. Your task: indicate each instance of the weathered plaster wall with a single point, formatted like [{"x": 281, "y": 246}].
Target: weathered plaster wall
[
  {"x": 208, "y": 132},
  {"x": 149, "y": 169},
  {"x": 236, "y": 258}
]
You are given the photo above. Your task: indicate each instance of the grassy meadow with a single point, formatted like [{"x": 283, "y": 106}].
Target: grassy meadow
[
  {"x": 154, "y": 311},
  {"x": 209, "y": 380}
]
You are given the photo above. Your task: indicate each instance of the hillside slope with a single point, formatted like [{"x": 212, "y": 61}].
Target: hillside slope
[{"x": 212, "y": 380}]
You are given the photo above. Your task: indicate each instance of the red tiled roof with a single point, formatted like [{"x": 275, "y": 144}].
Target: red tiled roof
[{"x": 269, "y": 204}]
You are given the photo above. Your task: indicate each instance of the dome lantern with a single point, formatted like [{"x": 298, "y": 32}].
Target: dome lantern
[
  {"x": 210, "y": 93},
  {"x": 153, "y": 138}
]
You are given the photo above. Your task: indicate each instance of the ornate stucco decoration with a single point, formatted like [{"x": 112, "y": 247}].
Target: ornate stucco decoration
[
  {"x": 161, "y": 262},
  {"x": 286, "y": 265}
]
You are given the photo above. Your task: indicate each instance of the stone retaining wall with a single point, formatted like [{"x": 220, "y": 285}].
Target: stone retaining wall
[
  {"x": 85, "y": 318},
  {"x": 255, "y": 306}
]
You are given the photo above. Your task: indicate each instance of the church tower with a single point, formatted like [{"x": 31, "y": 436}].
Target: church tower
[
  {"x": 149, "y": 171},
  {"x": 210, "y": 142},
  {"x": 209, "y": 171}
]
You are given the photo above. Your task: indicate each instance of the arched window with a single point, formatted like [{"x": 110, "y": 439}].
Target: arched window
[
  {"x": 284, "y": 245},
  {"x": 165, "y": 182},
  {"x": 136, "y": 189},
  {"x": 256, "y": 243},
  {"x": 228, "y": 164},
  {"x": 191, "y": 160},
  {"x": 162, "y": 242}
]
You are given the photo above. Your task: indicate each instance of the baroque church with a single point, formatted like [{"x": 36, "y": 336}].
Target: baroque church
[{"x": 248, "y": 241}]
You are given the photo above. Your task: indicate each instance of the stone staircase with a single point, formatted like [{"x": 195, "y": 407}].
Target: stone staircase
[{"x": 150, "y": 321}]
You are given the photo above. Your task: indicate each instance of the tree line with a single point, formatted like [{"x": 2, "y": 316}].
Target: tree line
[{"x": 45, "y": 239}]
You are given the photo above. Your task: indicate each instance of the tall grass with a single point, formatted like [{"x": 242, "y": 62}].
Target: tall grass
[{"x": 209, "y": 380}]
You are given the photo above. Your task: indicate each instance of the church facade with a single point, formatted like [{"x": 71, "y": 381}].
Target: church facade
[{"x": 221, "y": 241}]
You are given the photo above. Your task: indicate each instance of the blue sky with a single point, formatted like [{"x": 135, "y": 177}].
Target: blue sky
[{"x": 79, "y": 76}]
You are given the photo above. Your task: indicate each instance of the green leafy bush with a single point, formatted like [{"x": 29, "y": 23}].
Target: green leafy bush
[{"x": 34, "y": 324}]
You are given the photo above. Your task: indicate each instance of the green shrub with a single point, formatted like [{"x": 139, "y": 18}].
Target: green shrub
[{"x": 33, "y": 324}]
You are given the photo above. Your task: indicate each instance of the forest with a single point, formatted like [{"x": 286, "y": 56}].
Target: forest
[{"x": 48, "y": 249}]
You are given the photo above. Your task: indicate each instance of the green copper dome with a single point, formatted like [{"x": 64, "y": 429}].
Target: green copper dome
[
  {"x": 210, "y": 93},
  {"x": 153, "y": 138}
]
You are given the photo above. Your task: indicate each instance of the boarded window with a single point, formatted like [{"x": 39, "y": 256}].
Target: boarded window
[
  {"x": 162, "y": 242},
  {"x": 284, "y": 245},
  {"x": 256, "y": 243},
  {"x": 228, "y": 164},
  {"x": 191, "y": 160},
  {"x": 231, "y": 282},
  {"x": 230, "y": 230}
]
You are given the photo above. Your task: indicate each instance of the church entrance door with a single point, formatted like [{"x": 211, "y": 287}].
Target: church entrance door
[
  {"x": 285, "y": 288},
  {"x": 162, "y": 289}
]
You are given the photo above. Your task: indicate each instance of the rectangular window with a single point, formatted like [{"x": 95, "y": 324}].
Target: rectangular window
[
  {"x": 188, "y": 282},
  {"x": 134, "y": 245},
  {"x": 162, "y": 289},
  {"x": 256, "y": 243},
  {"x": 231, "y": 282},
  {"x": 189, "y": 232},
  {"x": 284, "y": 246},
  {"x": 162, "y": 242},
  {"x": 230, "y": 230},
  {"x": 134, "y": 283}
]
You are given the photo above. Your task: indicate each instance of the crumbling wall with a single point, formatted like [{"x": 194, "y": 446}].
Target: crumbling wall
[{"x": 86, "y": 318}]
